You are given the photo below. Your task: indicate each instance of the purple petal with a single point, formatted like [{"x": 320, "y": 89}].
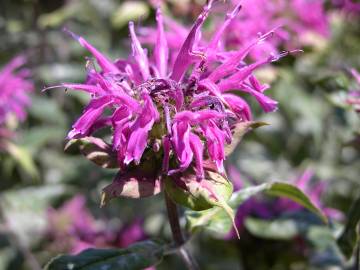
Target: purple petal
[
  {"x": 105, "y": 64},
  {"x": 198, "y": 149},
  {"x": 139, "y": 131},
  {"x": 186, "y": 54},
  {"x": 139, "y": 53},
  {"x": 92, "y": 112},
  {"x": 161, "y": 50}
]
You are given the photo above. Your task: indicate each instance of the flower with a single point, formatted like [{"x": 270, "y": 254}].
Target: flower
[
  {"x": 182, "y": 110},
  {"x": 14, "y": 93},
  {"x": 294, "y": 19},
  {"x": 349, "y": 6},
  {"x": 354, "y": 95},
  {"x": 73, "y": 229},
  {"x": 296, "y": 22},
  {"x": 266, "y": 208}
]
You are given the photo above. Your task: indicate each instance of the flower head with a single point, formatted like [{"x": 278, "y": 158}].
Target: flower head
[
  {"x": 296, "y": 22},
  {"x": 182, "y": 108},
  {"x": 14, "y": 92}
]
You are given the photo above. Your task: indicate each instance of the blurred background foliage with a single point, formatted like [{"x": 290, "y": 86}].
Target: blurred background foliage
[{"x": 312, "y": 129}]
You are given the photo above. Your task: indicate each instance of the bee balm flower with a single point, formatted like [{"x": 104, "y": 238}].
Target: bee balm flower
[
  {"x": 14, "y": 90},
  {"x": 181, "y": 112}
]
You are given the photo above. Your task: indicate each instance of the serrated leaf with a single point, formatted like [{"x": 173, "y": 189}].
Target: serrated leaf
[
  {"x": 95, "y": 150},
  {"x": 137, "y": 256},
  {"x": 215, "y": 219},
  {"x": 350, "y": 236},
  {"x": 239, "y": 131}
]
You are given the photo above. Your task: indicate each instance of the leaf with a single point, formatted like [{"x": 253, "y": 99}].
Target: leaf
[
  {"x": 214, "y": 190},
  {"x": 128, "y": 11},
  {"x": 198, "y": 195},
  {"x": 239, "y": 131},
  {"x": 95, "y": 150},
  {"x": 350, "y": 236},
  {"x": 215, "y": 219},
  {"x": 138, "y": 182},
  {"x": 47, "y": 110},
  {"x": 279, "y": 229},
  {"x": 25, "y": 210},
  {"x": 38, "y": 136},
  {"x": 24, "y": 159},
  {"x": 137, "y": 256}
]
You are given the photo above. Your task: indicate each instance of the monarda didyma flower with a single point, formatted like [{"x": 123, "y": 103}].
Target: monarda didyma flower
[
  {"x": 296, "y": 20},
  {"x": 14, "y": 93},
  {"x": 169, "y": 119}
]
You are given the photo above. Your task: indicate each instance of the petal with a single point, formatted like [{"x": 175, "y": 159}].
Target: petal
[
  {"x": 105, "y": 64},
  {"x": 139, "y": 53},
  {"x": 239, "y": 106},
  {"x": 92, "y": 112},
  {"x": 185, "y": 56},
  {"x": 161, "y": 50},
  {"x": 198, "y": 149},
  {"x": 181, "y": 143},
  {"x": 139, "y": 131}
]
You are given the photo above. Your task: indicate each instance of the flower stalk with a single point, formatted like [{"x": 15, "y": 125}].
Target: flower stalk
[{"x": 173, "y": 217}]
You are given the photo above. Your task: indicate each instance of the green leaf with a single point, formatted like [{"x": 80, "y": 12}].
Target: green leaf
[
  {"x": 23, "y": 158},
  {"x": 215, "y": 219},
  {"x": 292, "y": 192},
  {"x": 350, "y": 236},
  {"x": 137, "y": 256},
  {"x": 214, "y": 190},
  {"x": 25, "y": 210},
  {"x": 95, "y": 150},
  {"x": 199, "y": 195},
  {"x": 279, "y": 229},
  {"x": 47, "y": 110},
  {"x": 127, "y": 11}
]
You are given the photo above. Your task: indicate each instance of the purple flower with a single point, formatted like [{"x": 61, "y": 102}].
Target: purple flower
[
  {"x": 293, "y": 19},
  {"x": 181, "y": 104},
  {"x": 14, "y": 92},
  {"x": 354, "y": 95},
  {"x": 349, "y": 6},
  {"x": 73, "y": 229}
]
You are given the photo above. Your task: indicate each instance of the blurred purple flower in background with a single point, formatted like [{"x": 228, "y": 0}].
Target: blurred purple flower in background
[
  {"x": 296, "y": 23},
  {"x": 72, "y": 228},
  {"x": 14, "y": 93},
  {"x": 293, "y": 19},
  {"x": 349, "y": 6},
  {"x": 354, "y": 95},
  {"x": 270, "y": 208},
  {"x": 182, "y": 109}
]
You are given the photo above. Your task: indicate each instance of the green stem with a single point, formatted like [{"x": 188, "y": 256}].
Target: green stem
[{"x": 173, "y": 216}]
